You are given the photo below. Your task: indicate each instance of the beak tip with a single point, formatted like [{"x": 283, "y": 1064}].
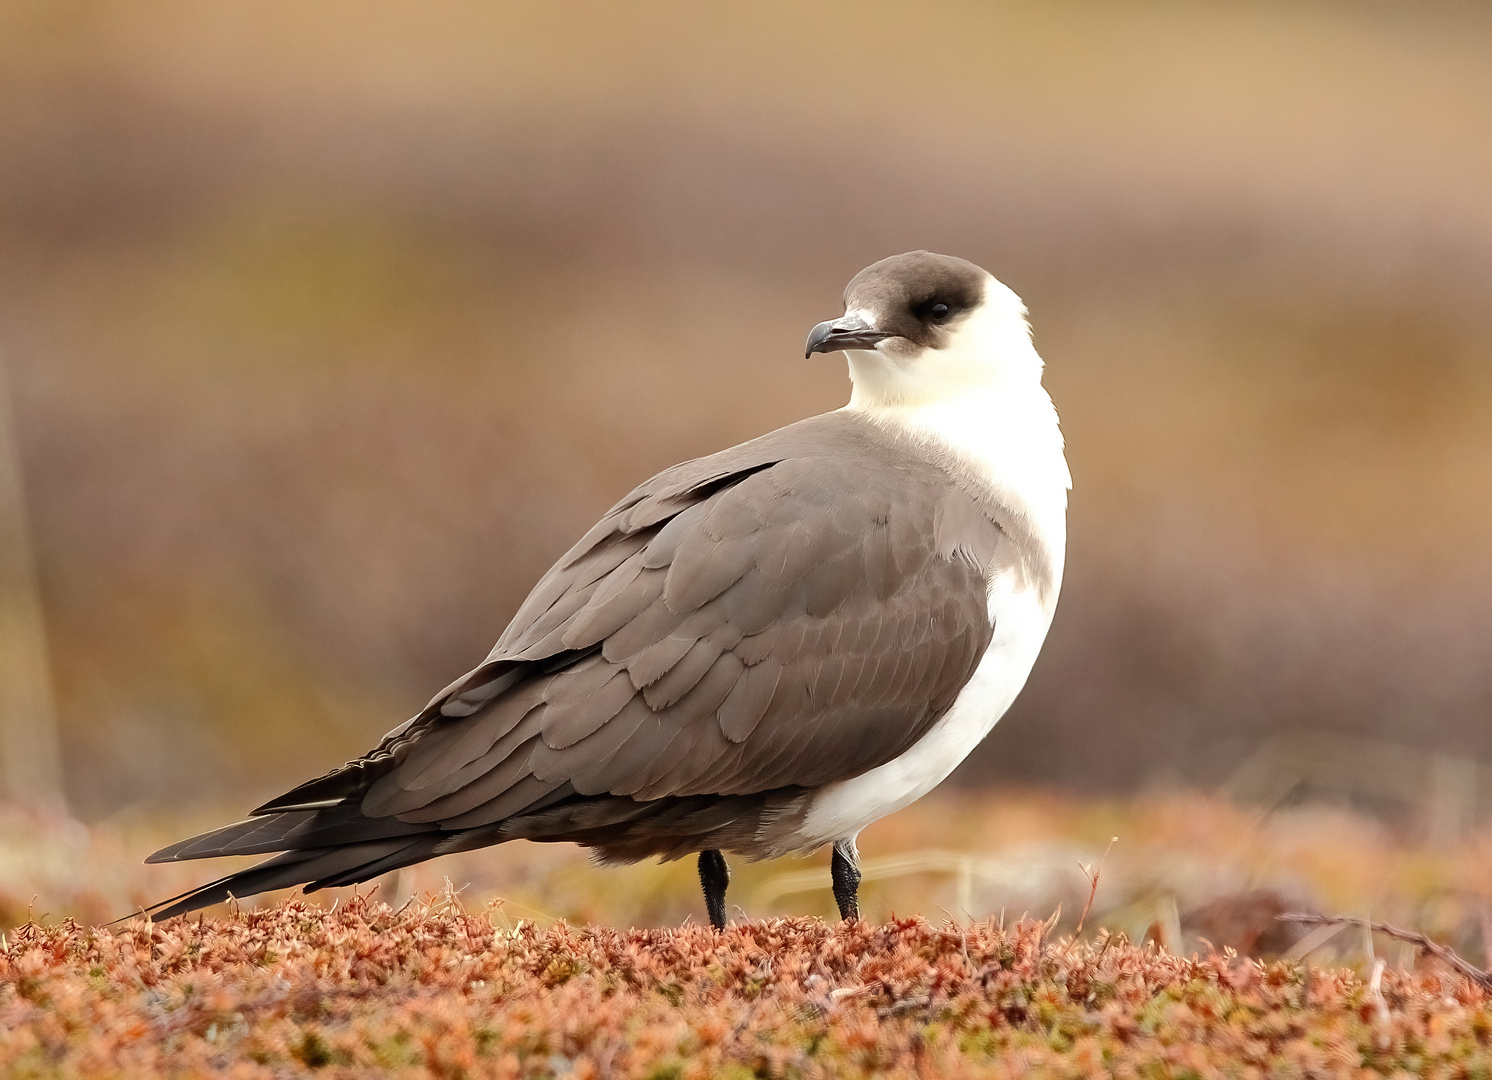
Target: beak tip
[
  {"x": 817, "y": 338},
  {"x": 850, "y": 332}
]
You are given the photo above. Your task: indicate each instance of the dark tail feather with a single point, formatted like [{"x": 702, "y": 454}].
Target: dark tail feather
[
  {"x": 293, "y": 830},
  {"x": 422, "y": 848},
  {"x": 321, "y": 867},
  {"x": 242, "y": 883},
  {"x": 348, "y": 781}
]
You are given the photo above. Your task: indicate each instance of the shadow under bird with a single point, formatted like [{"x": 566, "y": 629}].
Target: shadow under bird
[{"x": 758, "y": 652}]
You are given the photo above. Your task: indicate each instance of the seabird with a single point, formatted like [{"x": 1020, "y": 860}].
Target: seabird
[{"x": 758, "y": 652}]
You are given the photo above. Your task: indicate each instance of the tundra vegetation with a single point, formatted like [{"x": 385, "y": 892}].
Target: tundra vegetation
[
  {"x": 436, "y": 990},
  {"x": 1179, "y": 967}
]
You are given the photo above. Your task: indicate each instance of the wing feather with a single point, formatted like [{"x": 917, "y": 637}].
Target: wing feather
[
  {"x": 599, "y": 620},
  {"x": 482, "y": 787},
  {"x": 746, "y": 704},
  {"x": 661, "y": 658},
  {"x": 685, "y": 674},
  {"x": 396, "y": 795},
  {"x": 704, "y": 567},
  {"x": 450, "y": 746}
]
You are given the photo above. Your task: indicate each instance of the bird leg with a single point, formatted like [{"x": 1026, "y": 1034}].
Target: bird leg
[
  {"x": 844, "y": 871},
  {"x": 714, "y": 875}
]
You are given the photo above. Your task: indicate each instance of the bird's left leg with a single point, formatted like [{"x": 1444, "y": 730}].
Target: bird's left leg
[
  {"x": 844, "y": 871},
  {"x": 714, "y": 875}
]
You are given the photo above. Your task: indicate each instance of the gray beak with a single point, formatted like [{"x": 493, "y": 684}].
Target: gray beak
[{"x": 850, "y": 332}]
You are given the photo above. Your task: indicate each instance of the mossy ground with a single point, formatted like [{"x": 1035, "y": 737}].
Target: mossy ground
[{"x": 436, "y": 990}]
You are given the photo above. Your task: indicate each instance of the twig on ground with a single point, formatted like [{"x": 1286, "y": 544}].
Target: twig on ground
[
  {"x": 1443, "y": 953},
  {"x": 1314, "y": 940}
]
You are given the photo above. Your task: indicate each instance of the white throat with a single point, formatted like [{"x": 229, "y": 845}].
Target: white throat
[{"x": 979, "y": 399}]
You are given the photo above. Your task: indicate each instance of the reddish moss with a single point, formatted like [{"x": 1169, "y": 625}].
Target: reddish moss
[{"x": 438, "y": 991}]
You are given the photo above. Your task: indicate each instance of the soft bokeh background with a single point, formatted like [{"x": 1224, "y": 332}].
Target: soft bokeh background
[{"x": 327, "y": 327}]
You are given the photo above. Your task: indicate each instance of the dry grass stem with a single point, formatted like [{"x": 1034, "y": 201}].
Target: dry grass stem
[{"x": 1092, "y": 873}]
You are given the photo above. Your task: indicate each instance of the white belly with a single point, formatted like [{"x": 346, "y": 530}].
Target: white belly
[{"x": 839, "y": 811}]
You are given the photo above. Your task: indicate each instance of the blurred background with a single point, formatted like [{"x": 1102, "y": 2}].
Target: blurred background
[{"x": 327, "y": 327}]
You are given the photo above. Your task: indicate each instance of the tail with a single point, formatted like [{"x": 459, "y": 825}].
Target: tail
[{"x": 319, "y": 848}]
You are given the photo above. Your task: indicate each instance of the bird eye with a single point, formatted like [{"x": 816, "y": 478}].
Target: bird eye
[{"x": 938, "y": 312}]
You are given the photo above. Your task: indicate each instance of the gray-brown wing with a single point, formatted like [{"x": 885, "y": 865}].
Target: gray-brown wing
[{"x": 780, "y": 615}]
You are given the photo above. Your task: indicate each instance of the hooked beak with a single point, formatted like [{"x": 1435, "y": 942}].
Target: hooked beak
[{"x": 850, "y": 332}]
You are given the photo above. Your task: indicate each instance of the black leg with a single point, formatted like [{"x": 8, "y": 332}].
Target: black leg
[
  {"x": 714, "y": 875},
  {"x": 844, "y": 870}
]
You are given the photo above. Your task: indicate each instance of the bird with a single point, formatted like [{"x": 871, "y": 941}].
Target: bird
[{"x": 758, "y": 652}]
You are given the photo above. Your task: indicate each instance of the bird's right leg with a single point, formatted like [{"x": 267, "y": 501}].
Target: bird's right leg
[
  {"x": 844, "y": 871},
  {"x": 714, "y": 876}
]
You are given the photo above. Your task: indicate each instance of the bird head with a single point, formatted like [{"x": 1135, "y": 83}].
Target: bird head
[{"x": 919, "y": 328}]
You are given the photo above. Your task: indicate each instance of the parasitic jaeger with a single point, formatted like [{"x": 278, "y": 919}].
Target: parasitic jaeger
[{"x": 757, "y": 652}]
